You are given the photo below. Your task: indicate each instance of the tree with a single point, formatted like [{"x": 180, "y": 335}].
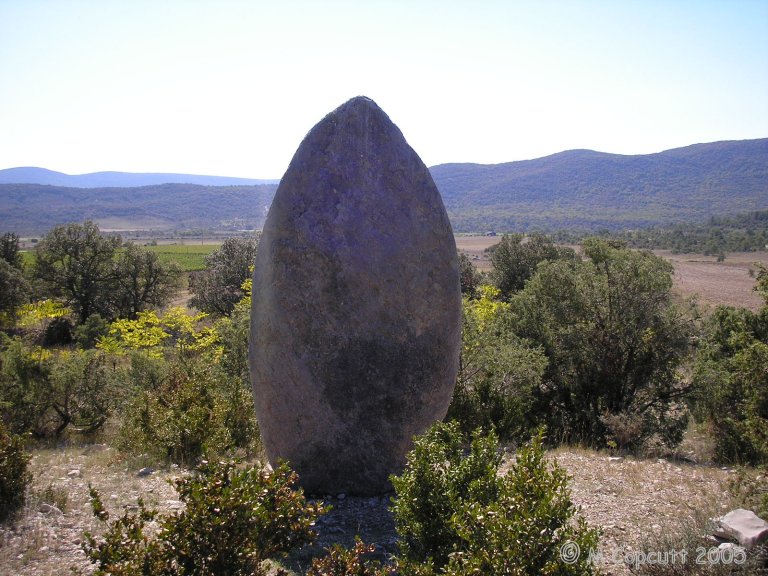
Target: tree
[
  {"x": 75, "y": 262},
  {"x": 95, "y": 274},
  {"x": 469, "y": 276},
  {"x": 218, "y": 288},
  {"x": 614, "y": 341},
  {"x": 14, "y": 292},
  {"x": 141, "y": 280},
  {"x": 731, "y": 381},
  {"x": 516, "y": 257},
  {"x": 9, "y": 250}
]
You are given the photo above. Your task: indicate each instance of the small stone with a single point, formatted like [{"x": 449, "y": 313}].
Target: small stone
[
  {"x": 43, "y": 549},
  {"x": 615, "y": 458},
  {"x": 50, "y": 509},
  {"x": 341, "y": 496},
  {"x": 731, "y": 546},
  {"x": 145, "y": 472},
  {"x": 73, "y": 473},
  {"x": 113, "y": 496}
]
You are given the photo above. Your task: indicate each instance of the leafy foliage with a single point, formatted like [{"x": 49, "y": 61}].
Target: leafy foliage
[
  {"x": 343, "y": 562},
  {"x": 218, "y": 288},
  {"x": 14, "y": 477},
  {"x": 614, "y": 341},
  {"x": 233, "y": 519},
  {"x": 194, "y": 409},
  {"x": 141, "y": 281},
  {"x": 14, "y": 292},
  {"x": 516, "y": 257},
  {"x": 176, "y": 329},
  {"x": 469, "y": 276},
  {"x": 98, "y": 274},
  {"x": 745, "y": 232},
  {"x": 731, "y": 381},
  {"x": 46, "y": 392},
  {"x": 456, "y": 515},
  {"x": 10, "y": 250},
  {"x": 498, "y": 372}
]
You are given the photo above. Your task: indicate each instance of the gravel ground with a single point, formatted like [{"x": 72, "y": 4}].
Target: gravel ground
[{"x": 628, "y": 498}]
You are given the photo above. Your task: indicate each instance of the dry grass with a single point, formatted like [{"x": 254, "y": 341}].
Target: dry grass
[
  {"x": 629, "y": 499},
  {"x": 728, "y": 283},
  {"x": 474, "y": 247}
]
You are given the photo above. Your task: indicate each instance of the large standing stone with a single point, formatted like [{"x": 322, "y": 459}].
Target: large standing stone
[{"x": 356, "y": 319}]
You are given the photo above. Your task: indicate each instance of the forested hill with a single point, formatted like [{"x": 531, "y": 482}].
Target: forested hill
[
  {"x": 577, "y": 189},
  {"x": 35, "y": 208},
  {"x": 586, "y": 189}
]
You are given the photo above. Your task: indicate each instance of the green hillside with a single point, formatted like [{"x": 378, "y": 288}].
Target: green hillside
[
  {"x": 577, "y": 189},
  {"x": 586, "y": 189}
]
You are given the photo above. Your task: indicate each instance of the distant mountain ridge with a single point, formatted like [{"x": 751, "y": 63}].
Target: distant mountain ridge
[
  {"x": 576, "y": 189},
  {"x": 587, "y": 189},
  {"x": 31, "y": 175}
]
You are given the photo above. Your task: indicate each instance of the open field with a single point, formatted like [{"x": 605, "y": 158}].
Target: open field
[
  {"x": 191, "y": 257},
  {"x": 728, "y": 283},
  {"x": 474, "y": 247}
]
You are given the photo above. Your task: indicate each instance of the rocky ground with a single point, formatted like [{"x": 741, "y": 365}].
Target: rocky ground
[{"x": 630, "y": 499}]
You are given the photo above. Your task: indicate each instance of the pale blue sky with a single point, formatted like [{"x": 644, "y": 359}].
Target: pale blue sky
[{"x": 230, "y": 87}]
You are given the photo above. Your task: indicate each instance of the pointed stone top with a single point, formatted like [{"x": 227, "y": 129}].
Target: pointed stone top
[{"x": 353, "y": 142}]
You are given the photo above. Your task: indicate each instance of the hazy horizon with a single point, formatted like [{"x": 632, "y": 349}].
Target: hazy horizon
[{"x": 232, "y": 87}]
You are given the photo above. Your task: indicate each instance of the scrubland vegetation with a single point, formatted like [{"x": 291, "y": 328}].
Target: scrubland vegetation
[{"x": 595, "y": 347}]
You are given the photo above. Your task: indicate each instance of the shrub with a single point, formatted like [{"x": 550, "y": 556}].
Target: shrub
[
  {"x": 190, "y": 408},
  {"x": 455, "y": 515},
  {"x": 732, "y": 384},
  {"x": 614, "y": 341},
  {"x": 343, "y": 562},
  {"x": 233, "y": 520},
  {"x": 14, "y": 477},
  {"x": 88, "y": 333},
  {"x": 48, "y": 392},
  {"x": 498, "y": 372}
]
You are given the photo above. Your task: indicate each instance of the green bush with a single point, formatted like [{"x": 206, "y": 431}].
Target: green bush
[
  {"x": 615, "y": 342},
  {"x": 48, "y": 392},
  {"x": 732, "y": 384},
  {"x": 498, "y": 372},
  {"x": 14, "y": 477},
  {"x": 456, "y": 515},
  {"x": 189, "y": 409},
  {"x": 233, "y": 520},
  {"x": 88, "y": 333}
]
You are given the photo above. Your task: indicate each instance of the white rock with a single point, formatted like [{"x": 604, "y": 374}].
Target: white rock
[{"x": 744, "y": 526}]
